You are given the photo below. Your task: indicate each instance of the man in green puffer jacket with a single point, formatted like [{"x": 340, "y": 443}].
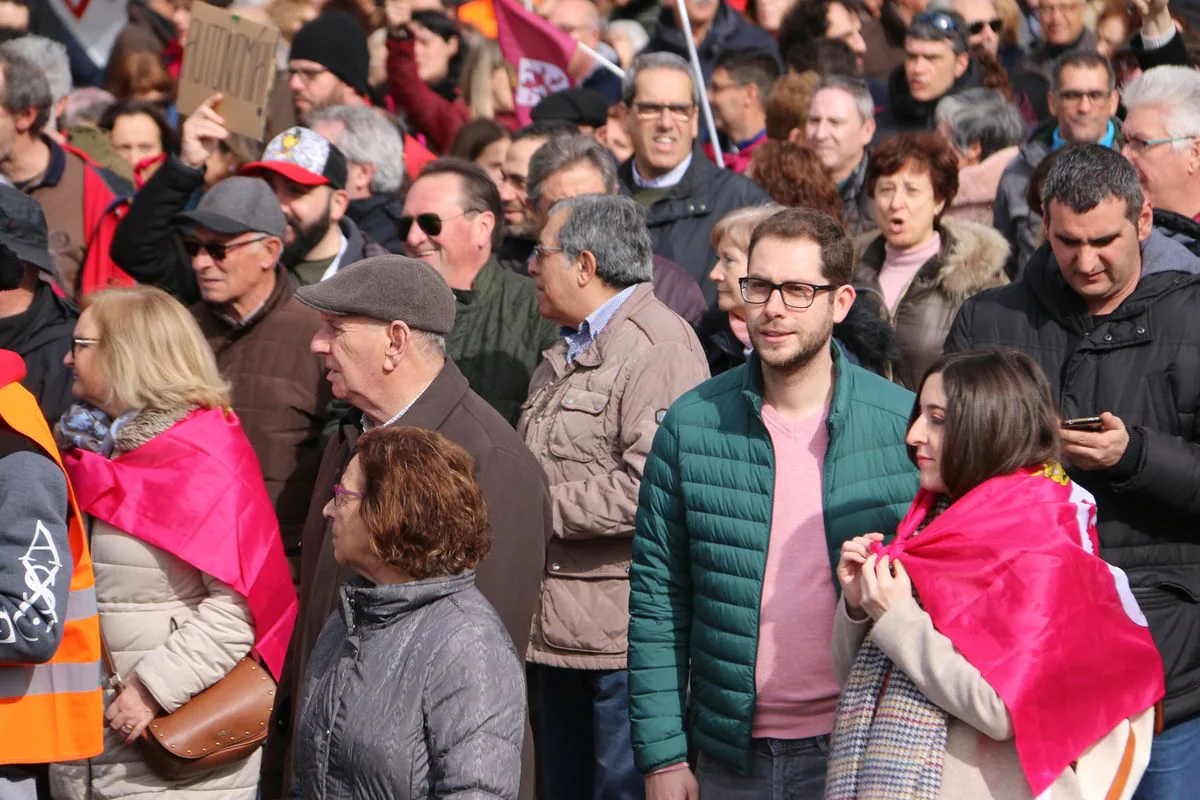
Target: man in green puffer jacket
[{"x": 754, "y": 480}]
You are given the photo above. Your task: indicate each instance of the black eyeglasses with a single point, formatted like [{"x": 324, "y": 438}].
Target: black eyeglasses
[
  {"x": 796, "y": 295},
  {"x": 216, "y": 250},
  {"x": 431, "y": 224},
  {"x": 940, "y": 20},
  {"x": 976, "y": 28}
]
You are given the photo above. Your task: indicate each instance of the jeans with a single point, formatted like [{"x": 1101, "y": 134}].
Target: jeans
[
  {"x": 1174, "y": 770},
  {"x": 780, "y": 769},
  {"x": 583, "y": 737}
]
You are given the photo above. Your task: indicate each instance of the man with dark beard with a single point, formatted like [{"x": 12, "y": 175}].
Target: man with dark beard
[{"x": 308, "y": 176}]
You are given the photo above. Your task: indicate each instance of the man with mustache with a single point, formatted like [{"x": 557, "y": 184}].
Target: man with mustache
[{"x": 304, "y": 170}]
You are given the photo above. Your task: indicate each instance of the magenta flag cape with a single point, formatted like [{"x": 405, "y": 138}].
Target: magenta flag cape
[
  {"x": 540, "y": 51},
  {"x": 197, "y": 492},
  {"x": 1009, "y": 573}
]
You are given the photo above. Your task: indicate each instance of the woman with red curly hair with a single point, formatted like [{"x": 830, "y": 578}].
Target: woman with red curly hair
[
  {"x": 919, "y": 267},
  {"x": 414, "y": 688}
]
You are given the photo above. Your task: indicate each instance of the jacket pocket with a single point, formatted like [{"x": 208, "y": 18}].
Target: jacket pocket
[
  {"x": 578, "y": 429},
  {"x": 585, "y": 597}
]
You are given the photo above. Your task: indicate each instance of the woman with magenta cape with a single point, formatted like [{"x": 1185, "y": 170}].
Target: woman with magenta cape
[
  {"x": 987, "y": 651},
  {"x": 190, "y": 571}
]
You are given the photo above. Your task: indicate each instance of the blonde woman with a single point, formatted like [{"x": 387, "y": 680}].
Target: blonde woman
[
  {"x": 487, "y": 85},
  {"x": 190, "y": 571}
]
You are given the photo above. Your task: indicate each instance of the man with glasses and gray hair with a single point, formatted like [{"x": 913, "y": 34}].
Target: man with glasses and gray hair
[
  {"x": 569, "y": 166},
  {"x": 1162, "y": 140},
  {"x": 374, "y": 150},
  {"x": 684, "y": 193},
  {"x": 593, "y": 410},
  {"x": 1084, "y": 101},
  {"x": 937, "y": 63}
]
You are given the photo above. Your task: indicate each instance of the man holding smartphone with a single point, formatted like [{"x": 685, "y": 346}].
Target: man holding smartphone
[{"x": 1107, "y": 306}]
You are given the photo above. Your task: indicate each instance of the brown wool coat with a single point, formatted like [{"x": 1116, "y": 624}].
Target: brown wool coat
[
  {"x": 590, "y": 424},
  {"x": 518, "y": 501},
  {"x": 280, "y": 395},
  {"x": 971, "y": 260}
]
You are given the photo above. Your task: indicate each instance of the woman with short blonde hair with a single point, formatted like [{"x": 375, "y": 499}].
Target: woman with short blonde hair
[{"x": 191, "y": 577}]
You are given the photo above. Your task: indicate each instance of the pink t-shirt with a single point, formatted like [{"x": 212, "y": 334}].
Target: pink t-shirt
[{"x": 797, "y": 689}]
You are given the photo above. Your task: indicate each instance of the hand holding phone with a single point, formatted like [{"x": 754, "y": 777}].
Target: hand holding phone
[{"x": 1083, "y": 424}]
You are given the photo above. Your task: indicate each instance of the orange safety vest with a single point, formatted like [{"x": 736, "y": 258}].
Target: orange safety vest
[{"x": 54, "y": 711}]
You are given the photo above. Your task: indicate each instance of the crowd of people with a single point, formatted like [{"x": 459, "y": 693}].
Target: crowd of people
[{"x": 431, "y": 446}]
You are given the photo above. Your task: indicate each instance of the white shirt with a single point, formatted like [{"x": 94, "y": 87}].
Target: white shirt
[{"x": 662, "y": 181}]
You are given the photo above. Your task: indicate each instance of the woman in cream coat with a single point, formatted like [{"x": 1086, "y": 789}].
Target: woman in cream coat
[{"x": 173, "y": 630}]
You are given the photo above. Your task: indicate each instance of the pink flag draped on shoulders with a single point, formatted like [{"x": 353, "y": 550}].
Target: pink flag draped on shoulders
[
  {"x": 1010, "y": 574},
  {"x": 541, "y": 52},
  {"x": 196, "y": 491}
]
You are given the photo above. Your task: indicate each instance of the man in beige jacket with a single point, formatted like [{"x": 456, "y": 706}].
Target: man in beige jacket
[{"x": 593, "y": 409}]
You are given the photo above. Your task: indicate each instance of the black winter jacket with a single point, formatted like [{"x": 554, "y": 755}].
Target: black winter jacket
[
  {"x": 1179, "y": 228},
  {"x": 376, "y": 217},
  {"x": 42, "y": 336},
  {"x": 906, "y": 114},
  {"x": 148, "y": 245},
  {"x": 681, "y": 223},
  {"x": 1142, "y": 363}
]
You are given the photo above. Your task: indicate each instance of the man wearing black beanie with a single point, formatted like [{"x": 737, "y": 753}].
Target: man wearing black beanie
[{"x": 328, "y": 64}]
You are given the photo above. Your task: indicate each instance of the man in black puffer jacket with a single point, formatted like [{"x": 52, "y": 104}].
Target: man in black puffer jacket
[{"x": 1107, "y": 307}]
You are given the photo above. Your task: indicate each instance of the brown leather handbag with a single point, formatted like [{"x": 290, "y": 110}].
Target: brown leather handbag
[{"x": 225, "y": 723}]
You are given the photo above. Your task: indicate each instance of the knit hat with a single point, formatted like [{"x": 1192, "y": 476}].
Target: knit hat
[
  {"x": 303, "y": 156},
  {"x": 386, "y": 288},
  {"x": 339, "y": 44}
]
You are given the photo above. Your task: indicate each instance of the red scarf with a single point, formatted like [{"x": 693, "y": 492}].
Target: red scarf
[
  {"x": 196, "y": 491},
  {"x": 1009, "y": 573}
]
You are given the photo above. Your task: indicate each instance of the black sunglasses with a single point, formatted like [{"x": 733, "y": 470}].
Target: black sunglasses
[
  {"x": 940, "y": 20},
  {"x": 431, "y": 224},
  {"x": 218, "y": 251},
  {"x": 976, "y": 28}
]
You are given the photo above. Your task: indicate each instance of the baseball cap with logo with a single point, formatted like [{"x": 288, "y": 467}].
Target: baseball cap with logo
[{"x": 303, "y": 156}]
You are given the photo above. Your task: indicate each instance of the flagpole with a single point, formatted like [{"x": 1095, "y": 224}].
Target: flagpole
[
  {"x": 602, "y": 61},
  {"x": 686, "y": 24}
]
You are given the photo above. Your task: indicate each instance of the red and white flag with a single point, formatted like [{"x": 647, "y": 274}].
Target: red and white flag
[
  {"x": 541, "y": 52},
  {"x": 1009, "y": 573}
]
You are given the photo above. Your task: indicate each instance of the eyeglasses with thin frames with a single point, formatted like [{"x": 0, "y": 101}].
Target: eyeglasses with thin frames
[
  {"x": 216, "y": 250},
  {"x": 80, "y": 342},
  {"x": 796, "y": 295},
  {"x": 342, "y": 495},
  {"x": 540, "y": 253},
  {"x": 1139, "y": 146},
  {"x": 680, "y": 112},
  {"x": 1075, "y": 96},
  {"x": 306, "y": 74}
]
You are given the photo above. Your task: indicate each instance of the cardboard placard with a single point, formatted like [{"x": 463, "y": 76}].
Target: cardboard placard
[{"x": 234, "y": 56}]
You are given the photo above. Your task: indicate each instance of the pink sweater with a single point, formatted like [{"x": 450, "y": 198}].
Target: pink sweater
[
  {"x": 797, "y": 687},
  {"x": 901, "y": 266}
]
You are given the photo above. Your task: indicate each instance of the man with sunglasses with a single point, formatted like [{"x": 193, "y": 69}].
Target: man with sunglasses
[
  {"x": 452, "y": 221},
  {"x": 1084, "y": 100},
  {"x": 747, "y": 495},
  {"x": 937, "y": 63},
  {"x": 260, "y": 333},
  {"x": 35, "y": 322},
  {"x": 308, "y": 176},
  {"x": 684, "y": 193}
]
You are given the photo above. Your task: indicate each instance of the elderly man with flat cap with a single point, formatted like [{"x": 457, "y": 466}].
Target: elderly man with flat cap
[
  {"x": 384, "y": 323},
  {"x": 260, "y": 333}
]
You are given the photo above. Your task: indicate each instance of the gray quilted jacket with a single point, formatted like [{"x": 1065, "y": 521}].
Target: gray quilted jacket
[{"x": 413, "y": 691}]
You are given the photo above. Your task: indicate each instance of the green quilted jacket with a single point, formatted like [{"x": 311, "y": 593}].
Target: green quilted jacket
[{"x": 700, "y": 548}]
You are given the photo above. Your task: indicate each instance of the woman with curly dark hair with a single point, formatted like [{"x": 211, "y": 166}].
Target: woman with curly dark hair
[
  {"x": 920, "y": 266},
  {"x": 414, "y": 689}
]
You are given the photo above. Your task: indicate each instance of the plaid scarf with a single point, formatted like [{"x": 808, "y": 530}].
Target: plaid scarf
[{"x": 888, "y": 738}]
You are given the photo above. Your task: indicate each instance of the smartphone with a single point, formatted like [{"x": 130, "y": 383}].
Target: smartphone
[{"x": 1082, "y": 424}]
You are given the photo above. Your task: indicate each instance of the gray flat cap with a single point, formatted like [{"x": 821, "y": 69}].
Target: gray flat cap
[
  {"x": 237, "y": 205},
  {"x": 386, "y": 288}
]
